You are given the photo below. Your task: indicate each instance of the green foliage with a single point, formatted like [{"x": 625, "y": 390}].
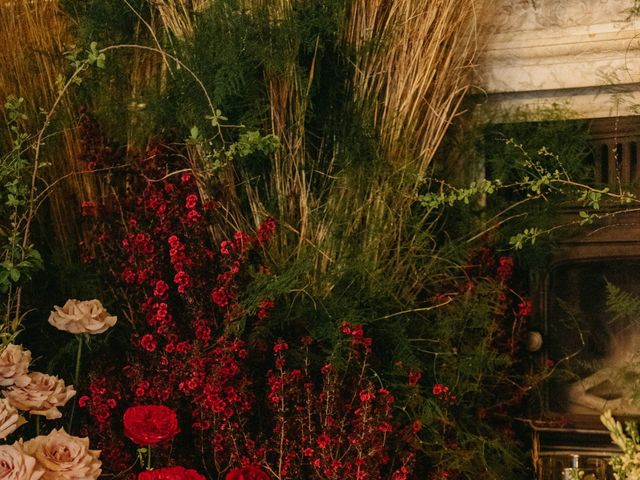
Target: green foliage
[
  {"x": 391, "y": 289},
  {"x": 21, "y": 192},
  {"x": 624, "y": 306},
  {"x": 106, "y": 22},
  {"x": 451, "y": 195},
  {"x": 547, "y": 141},
  {"x": 19, "y": 260}
]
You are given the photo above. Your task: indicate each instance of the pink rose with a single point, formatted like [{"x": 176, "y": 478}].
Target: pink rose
[
  {"x": 88, "y": 316},
  {"x": 64, "y": 457},
  {"x": 41, "y": 396},
  {"x": 14, "y": 365},
  {"x": 17, "y": 465}
]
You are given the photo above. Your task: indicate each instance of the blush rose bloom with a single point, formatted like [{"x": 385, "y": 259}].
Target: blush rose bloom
[
  {"x": 250, "y": 472},
  {"x": 64, "y": 457},
  {"x": 10, "y": 420},
  {"x": 14, "y": 365},
  {"x": 87, "y": 316},
  {"x": 41, "y": 396},
  {"x": 17, "y": 465},
  {"x": 171, "y": 473},
  {"x": 150, "y": 424}
]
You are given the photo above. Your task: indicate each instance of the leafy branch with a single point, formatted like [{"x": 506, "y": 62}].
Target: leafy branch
[{"x": 544, "y": 177}]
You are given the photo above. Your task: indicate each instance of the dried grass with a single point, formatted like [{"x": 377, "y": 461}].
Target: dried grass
[
  {"x": 30, "y": 68},
  {"x": 414, "y": 65},
  {"x": 34, "y": 35},
  {"x": 413, "y": 61},
  {"x": 177, "y": 15}
]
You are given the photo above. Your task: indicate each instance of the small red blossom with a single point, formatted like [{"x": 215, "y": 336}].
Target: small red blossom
[
  {"x": 346, "y": 328},
  {"x": 193, "y": 216},
  {"x": 225, "y": 247},
  {"x": 443, "y": 393},
  {"x": 161, "y": 288},
  {"x": 89, "y": 209},
  {"x": 265, "y": 308},
  {"x": 281, "y": 346},
  {"x": 323, "y": 440},
  {"x": 192, "y": 201},
  {"x": 524, "y": 308},
  {"x": 220, "y": 297},
  {"x": 414, "y": 378},
  {"x": 148, "y": 342},
  {"x": 385, "y": 427},
  {"x": 505, "y": 268},
  {"x": 366, "y": 396},
  {"x": 266, "y": 230}
]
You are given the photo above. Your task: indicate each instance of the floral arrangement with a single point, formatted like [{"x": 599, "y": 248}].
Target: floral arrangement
[
  {"x": 189, "y": 395},
  {"x": 57, "y": 455},
  {"x": 627, "y": 465}
]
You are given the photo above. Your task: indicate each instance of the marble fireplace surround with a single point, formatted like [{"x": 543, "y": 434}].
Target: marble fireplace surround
[{"x": 583, "y": 55}]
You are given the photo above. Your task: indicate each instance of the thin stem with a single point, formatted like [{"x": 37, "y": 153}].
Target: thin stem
[
  {"x": 148, "y": 457},
  {"x": 76, "y": 377}
]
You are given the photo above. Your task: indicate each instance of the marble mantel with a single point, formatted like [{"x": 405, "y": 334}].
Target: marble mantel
[{"x": 583, "y": 55}]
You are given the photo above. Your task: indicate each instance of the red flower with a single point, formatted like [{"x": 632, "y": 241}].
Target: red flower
[
  {"x": 160, "y": 288},
  {"x": 440, "y": 389},
  {"x": 171, "y": 473},
  {"x": 150, "y": 424},
  {"x": 192, "y": 201},
  {"x": 266, "y": 230},
  {"x": 265, "y": 307},
  {"x": 89, "y": 209},
  {"x": 148, "y": 342},
  {"x": 324, "y": 440},
  {"x": 280, "y": 346},
  {"x": 414, "y": 378},
  {"x": 524, "y": 308},
  {"x": 505, "y": 270},
  {"x": 250, "y": 472}
]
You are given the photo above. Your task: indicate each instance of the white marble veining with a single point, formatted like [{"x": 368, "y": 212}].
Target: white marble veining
[{"x": 578, "y": 53}]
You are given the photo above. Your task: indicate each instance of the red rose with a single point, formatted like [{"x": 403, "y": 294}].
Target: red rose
[
  {"x": 171, "y": 473},
  {"x": 250, "y": 472},
  {"x": 150, "y": 424}
]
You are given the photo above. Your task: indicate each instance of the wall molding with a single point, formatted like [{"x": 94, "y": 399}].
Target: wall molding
[{"x": 583, "y": 55}]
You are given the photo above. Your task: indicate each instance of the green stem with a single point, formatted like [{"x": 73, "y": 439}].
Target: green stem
[
  {"x": 148, "y": 457},
  {"x": 76, "y": 377}
]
